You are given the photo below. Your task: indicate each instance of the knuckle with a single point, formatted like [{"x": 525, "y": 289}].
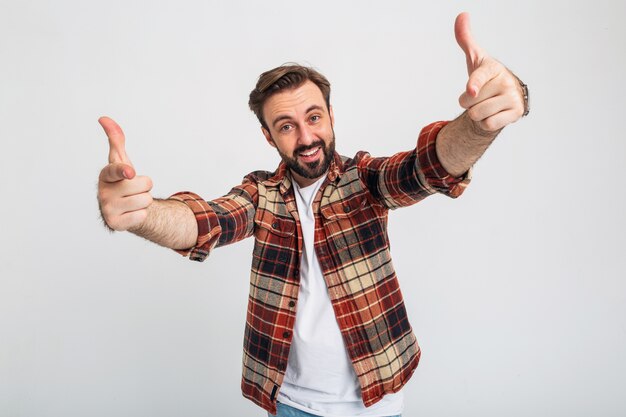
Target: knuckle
[
  {"x": 463, "y": 101},
  {"x": 473, "y": 114},
  {"x": 516, "y": 101},
  {"x": 509, "y": 83},
  {"x": 102, "y": 194},
  {"x": 477, "y": 78},
  {"x": 490, "y": 124},
  {"x": 513, "y": 93},
  {"x": 142, "y": 183},
  {"x": 107, "y": 212},
  {"x": 118, "y": 226},
  {"x": 104, "y": 173},
  {"x": 113, "y": 222},
  {"x": 107, "y": 193}
]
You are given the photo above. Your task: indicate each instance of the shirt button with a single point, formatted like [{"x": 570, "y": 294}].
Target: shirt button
[
  {"x": 292, "y": 303},
  {"x": 346, "y": 208},
  {"x": 275, "y": 225},
  {"x": 286, "y": 334}
]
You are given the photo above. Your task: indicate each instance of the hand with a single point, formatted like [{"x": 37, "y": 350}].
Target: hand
[
  {"x": 493, "y": 96},
  {"x": 123, "y": 196}
]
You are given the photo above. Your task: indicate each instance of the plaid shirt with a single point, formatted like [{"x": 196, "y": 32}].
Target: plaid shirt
[{"x": 352, "y": 246}]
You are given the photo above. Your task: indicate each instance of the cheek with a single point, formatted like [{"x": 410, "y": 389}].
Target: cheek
[
  {"x": 328, "y": 130},
  {"x": 284, "y": 148}
]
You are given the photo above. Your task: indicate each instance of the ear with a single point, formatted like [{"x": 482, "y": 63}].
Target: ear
[
  {"x": 268, "y": 137},
  {"x": 332, "y": 116}
]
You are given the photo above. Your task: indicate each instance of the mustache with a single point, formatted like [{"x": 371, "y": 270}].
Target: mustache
[{"x": 302, "y": 149}]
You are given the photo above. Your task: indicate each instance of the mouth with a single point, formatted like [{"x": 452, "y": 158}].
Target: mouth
[{"x": 310, "y": 155}]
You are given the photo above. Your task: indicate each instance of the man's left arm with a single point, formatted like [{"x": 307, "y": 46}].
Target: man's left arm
[{"x": 494, "y": 97}]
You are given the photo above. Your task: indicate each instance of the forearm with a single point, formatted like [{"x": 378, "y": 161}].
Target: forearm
[
  {"x": 461, "y": 143},
  {"x": 169, "y": 223},
  {"x": 493, "y": 98}
]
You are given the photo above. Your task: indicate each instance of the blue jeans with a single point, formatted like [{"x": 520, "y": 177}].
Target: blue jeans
[{"x": 286, "y": 411}]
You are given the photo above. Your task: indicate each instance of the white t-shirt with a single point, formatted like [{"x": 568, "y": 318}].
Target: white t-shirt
[{"x": 320, "y": 378}]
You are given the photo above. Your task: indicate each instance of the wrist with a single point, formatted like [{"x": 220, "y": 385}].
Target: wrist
[{"x": 476, "y": 130}]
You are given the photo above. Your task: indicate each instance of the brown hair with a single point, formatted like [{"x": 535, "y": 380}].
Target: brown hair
[{"x": 287, "y": 76}]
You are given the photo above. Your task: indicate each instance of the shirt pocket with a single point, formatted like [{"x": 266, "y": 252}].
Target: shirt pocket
[
  {"x": 345, "y": 208},
  {"x": 275, "y": 238},
  {"x": 354, "y": 225},
  {"x": 269, "y": 224},
  {"x": 274, "y": 256}
]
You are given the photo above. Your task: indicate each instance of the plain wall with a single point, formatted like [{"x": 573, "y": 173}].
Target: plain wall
[{"x": 516, "y": 290}]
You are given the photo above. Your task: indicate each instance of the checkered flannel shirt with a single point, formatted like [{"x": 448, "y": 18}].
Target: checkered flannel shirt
[{"x": 353, "y": 250}]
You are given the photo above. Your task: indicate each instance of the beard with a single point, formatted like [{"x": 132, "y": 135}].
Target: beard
[{"x": 312, "y": 170}]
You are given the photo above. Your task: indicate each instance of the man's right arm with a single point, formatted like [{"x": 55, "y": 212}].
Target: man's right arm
[
  {"x": 126, "y": 203},
  {"x": 169, "y": 223}
]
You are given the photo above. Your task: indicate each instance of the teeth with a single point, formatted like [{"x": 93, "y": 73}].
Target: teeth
[{"x": 311, "y": 152}]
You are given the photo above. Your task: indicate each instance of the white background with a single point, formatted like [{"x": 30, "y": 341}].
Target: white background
[{"x": 515, "y": 291}]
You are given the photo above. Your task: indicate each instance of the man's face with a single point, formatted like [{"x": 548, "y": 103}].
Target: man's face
[{"x": 300, "y": 127}]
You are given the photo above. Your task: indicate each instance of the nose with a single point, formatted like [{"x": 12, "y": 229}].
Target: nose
[{"x": 307, "y": 136}]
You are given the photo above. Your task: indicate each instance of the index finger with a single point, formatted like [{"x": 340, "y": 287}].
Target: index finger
[
  {"x": 487, "y": 71},
  {"x": 117, "y": 171},
  {"x": 117, "y": 140}
]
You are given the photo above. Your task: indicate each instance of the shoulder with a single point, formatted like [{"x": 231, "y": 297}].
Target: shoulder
[
  {"x": 259, "y": 176},
  {"x": 352, "y": 162}
]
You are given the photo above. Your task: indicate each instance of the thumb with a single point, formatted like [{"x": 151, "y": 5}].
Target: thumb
[
  {"x": 117, "y": 141},
  {"x": 473, "y": 52}
]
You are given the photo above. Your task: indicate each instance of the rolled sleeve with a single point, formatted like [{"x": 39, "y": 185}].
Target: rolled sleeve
[
  {"x": 222, "y": 221},
  {"x": 209, "y": 229},
  {"x": 430, "y": 169}
]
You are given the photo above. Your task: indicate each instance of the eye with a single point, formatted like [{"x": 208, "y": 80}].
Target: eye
[
  {"x": 285, "y": 128},
  {"x": 315, "y": 117}
]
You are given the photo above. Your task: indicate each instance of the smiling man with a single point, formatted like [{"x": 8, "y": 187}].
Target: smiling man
[
  {"x": 300, "y": 120},
  {"x": 326, "y": 331}
]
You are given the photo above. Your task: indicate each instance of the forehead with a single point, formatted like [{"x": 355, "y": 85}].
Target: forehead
[{"x": 293, "y": 101}]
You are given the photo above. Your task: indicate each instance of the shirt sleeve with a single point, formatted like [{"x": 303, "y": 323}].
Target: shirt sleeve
[
  {"x": 408, "y": 177},
  {"x": 222, "y": 221}
]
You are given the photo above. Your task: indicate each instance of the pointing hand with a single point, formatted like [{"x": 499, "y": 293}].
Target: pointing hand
[
  {"x": 493, "y": 96},
  {"x": 123, "y": 196}
]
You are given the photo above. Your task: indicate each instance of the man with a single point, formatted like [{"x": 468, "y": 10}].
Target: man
[{"x": 326, "y": 331}]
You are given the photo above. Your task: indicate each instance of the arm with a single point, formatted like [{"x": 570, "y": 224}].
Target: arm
[
  {"x": 169, "y": 223},
  {"x": 493, "y": 98},
  {"x": 408, "y": 177},
  {"x": 445, "y": 152},
  {"x": 126, "y": 203},
  {"x": 460, "y": 143}
]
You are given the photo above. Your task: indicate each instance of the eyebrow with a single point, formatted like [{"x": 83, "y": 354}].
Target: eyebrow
[{"x": 286, "y": 116}]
